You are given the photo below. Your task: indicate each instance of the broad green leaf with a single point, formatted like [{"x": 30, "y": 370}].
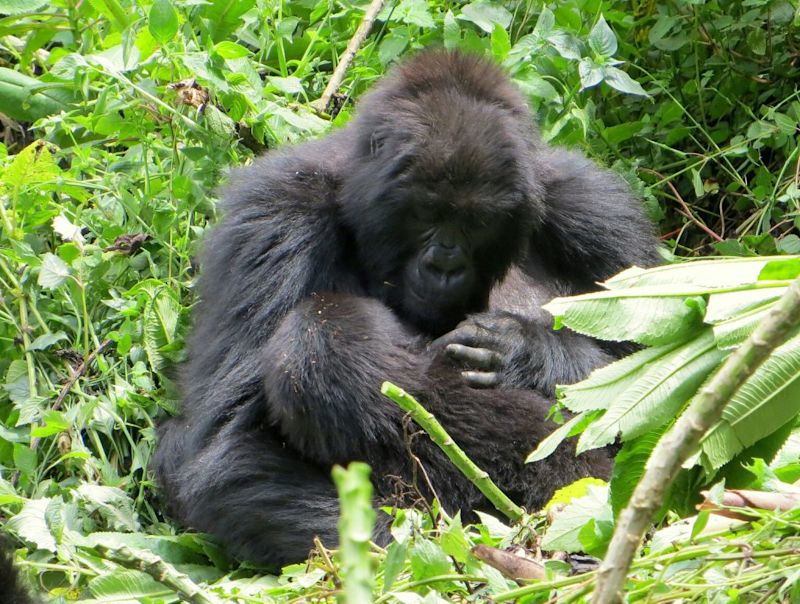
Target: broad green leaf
[
  {"x": 163, "y": 21},
  {"x": 732, "y": 332},
  {"x": 392, "y": 45},
  {"x": 501, "y": 43},
  {"x": 591, "y": 73},
  {"x": 45, "y": 341},
  {"x": 224, "y": 16},
  {"x": 126, "y": 585},
  {"x": 55, "y": 422},
  {"x": 606, "y": 384},
  {"x": 30, "y": 524},
  {"x": 766, "y": 401},
  {"x": 31, "y": 166},
  {"x": 784, "y": 268},
  {"x": 485, "y": 15},
  {"x": 19, "y": 7},
  {"x": 726, "y": 272},
  {"x": 288, "y": 85},
  {"x": 53, "y": 272},
  {"x": 657, "y": 395},
  {"x": 413, "y": 12},
  {"x": 27, "y": 99},
  {"x": 576, "y": 490},
  {"x": 602, "y": 40},
  {"x": 567, "y": 532},
  {"x": 113, "y": 11},
  {"x": 428, "y": 559},
  {"x": 629, "y": 466},
  {"x": 395, "y": 562},
  {"x": 454, "y": 541},
  {"x": 647, "y": 315},
  {"x": 730, "y": 305},
  {"x": 619, "y": 80},
  {"x": 230, "y": 50}
]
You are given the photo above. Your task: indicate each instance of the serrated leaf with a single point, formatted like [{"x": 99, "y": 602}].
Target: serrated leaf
[
  {"x": 732, "y": 332},
  {"x": 606, "y": 384},
  {"x": 53, "y": 272},
  {"x": 657, "y": 394},
  {"x": 30, "y": 524},
  {"x": 766, "y": 401},
  {"x": 122, "y": 585},
  {"x": 564, "y": 534},
  {"x": 485, "y": 15},
  {"x": 20, "y": 7},
  {"x": 619, "y": 80},
  {"x": 428, "y": 560},
  {"x": 602, "y": 39},
  {"x": 730, "y": 305},
  {"x": 647, "y": 315},
  {"x": 162, "y": 21},
  {"x": 726, "y": 272}
]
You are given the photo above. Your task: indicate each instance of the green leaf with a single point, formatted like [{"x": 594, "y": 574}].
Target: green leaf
[
  {"x": 647, "y": 315},
  {"x": 501, "y": 43},
  {"x": 606, "y": 384},
  {"x": 602, "y": 40},
  {"x": 619, "y": 80},
  {"x": 288, "y": 85},
  {"x": 590, "y": 72},
  {"x": 225, "y": 16},
  {"x": 486, "y": 15},
  {"x": 30, "y": 524},
  {"x": 395, "y": 562},
  {"x": 766, "y": 401},
  {"x": 782, "y": 268},
  {"x": 629, "y": 466},
  {"x": 31, "y": 166},
  {"x": 568, "y": 533},
  {"x": 53, "y": 272},
  {"x": 452, "y": 32},
  {"x": 550, "y": 443},
  {"x": 703, "y": 274},
  {"x": 126, "y": 585},
  {"x": 657, "y": 394},
  {"x": 454, "y": 540},
  {"x": 163, "y": 21},
  {"x": 414, "y": 12},
  {"x": 428, "y": 560},
  {"x": 19, "y": 7},
  {"x": 392, "y": 45},
  {"x": 45, "y": 341},
  {"x": 231, "y": 50}
]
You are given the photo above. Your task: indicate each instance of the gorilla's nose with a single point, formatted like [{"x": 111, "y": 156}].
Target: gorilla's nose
[{"x": 445, "y": 260}]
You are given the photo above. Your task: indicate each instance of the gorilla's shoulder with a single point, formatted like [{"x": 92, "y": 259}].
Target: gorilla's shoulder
[{"x": 296, "y": 177}]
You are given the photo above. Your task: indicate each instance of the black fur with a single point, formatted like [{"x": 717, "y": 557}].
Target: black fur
[
  {"x": 436, "y": 218},
  {"x": 10, "y": 586}
]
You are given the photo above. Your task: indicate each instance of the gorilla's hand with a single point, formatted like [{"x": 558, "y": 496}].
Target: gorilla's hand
[{"x": 485, "y": 347}]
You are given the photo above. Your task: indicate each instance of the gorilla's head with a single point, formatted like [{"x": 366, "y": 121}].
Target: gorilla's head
[{"x": 444, "y": 186}]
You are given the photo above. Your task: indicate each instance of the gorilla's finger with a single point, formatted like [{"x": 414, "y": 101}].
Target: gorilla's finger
[
  {"x": 479, "y": 358},
  {"x": 481, "y": 379},
  {"x": 467, "y": 334}
]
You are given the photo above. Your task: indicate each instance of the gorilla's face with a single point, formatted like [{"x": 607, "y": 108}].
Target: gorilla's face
[{"x": 438, "y": 197}]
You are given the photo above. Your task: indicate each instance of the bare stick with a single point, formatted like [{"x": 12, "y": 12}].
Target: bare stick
[
  {"x": 682, "y": 440},
  {"x": 439, "y": 435},
  {"x": 321, "y": 104}
]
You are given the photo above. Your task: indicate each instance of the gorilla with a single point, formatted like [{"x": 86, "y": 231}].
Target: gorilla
[{"x": 414, "y": 245}]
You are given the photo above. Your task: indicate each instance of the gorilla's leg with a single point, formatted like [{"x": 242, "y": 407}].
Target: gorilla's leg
[{"x": 248, "y": 489}]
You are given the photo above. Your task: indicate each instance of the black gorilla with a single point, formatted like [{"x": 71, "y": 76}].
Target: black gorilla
[{"x": 414, "y": 245}]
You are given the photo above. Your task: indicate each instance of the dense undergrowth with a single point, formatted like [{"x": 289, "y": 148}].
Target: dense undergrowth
[{"x": 119, "y": 118}]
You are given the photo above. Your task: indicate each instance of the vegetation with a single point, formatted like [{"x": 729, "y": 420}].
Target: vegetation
[{"x": 119, "y": 119}]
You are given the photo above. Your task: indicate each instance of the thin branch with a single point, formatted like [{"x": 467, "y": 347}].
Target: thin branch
[
  {"x": 321, "y": 104},
  {"x": 682, "y": 440},
  {"x": 439, "y": 435}
]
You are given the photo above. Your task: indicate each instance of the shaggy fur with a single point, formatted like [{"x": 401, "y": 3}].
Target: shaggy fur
[{"x": 436, "y": 217}]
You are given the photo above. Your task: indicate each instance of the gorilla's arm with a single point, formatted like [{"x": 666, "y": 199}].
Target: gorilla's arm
[{"x": 593, "y": 228}]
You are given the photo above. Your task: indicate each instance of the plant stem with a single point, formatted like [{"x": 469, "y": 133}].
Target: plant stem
[{"x": 439, "y": 435}]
